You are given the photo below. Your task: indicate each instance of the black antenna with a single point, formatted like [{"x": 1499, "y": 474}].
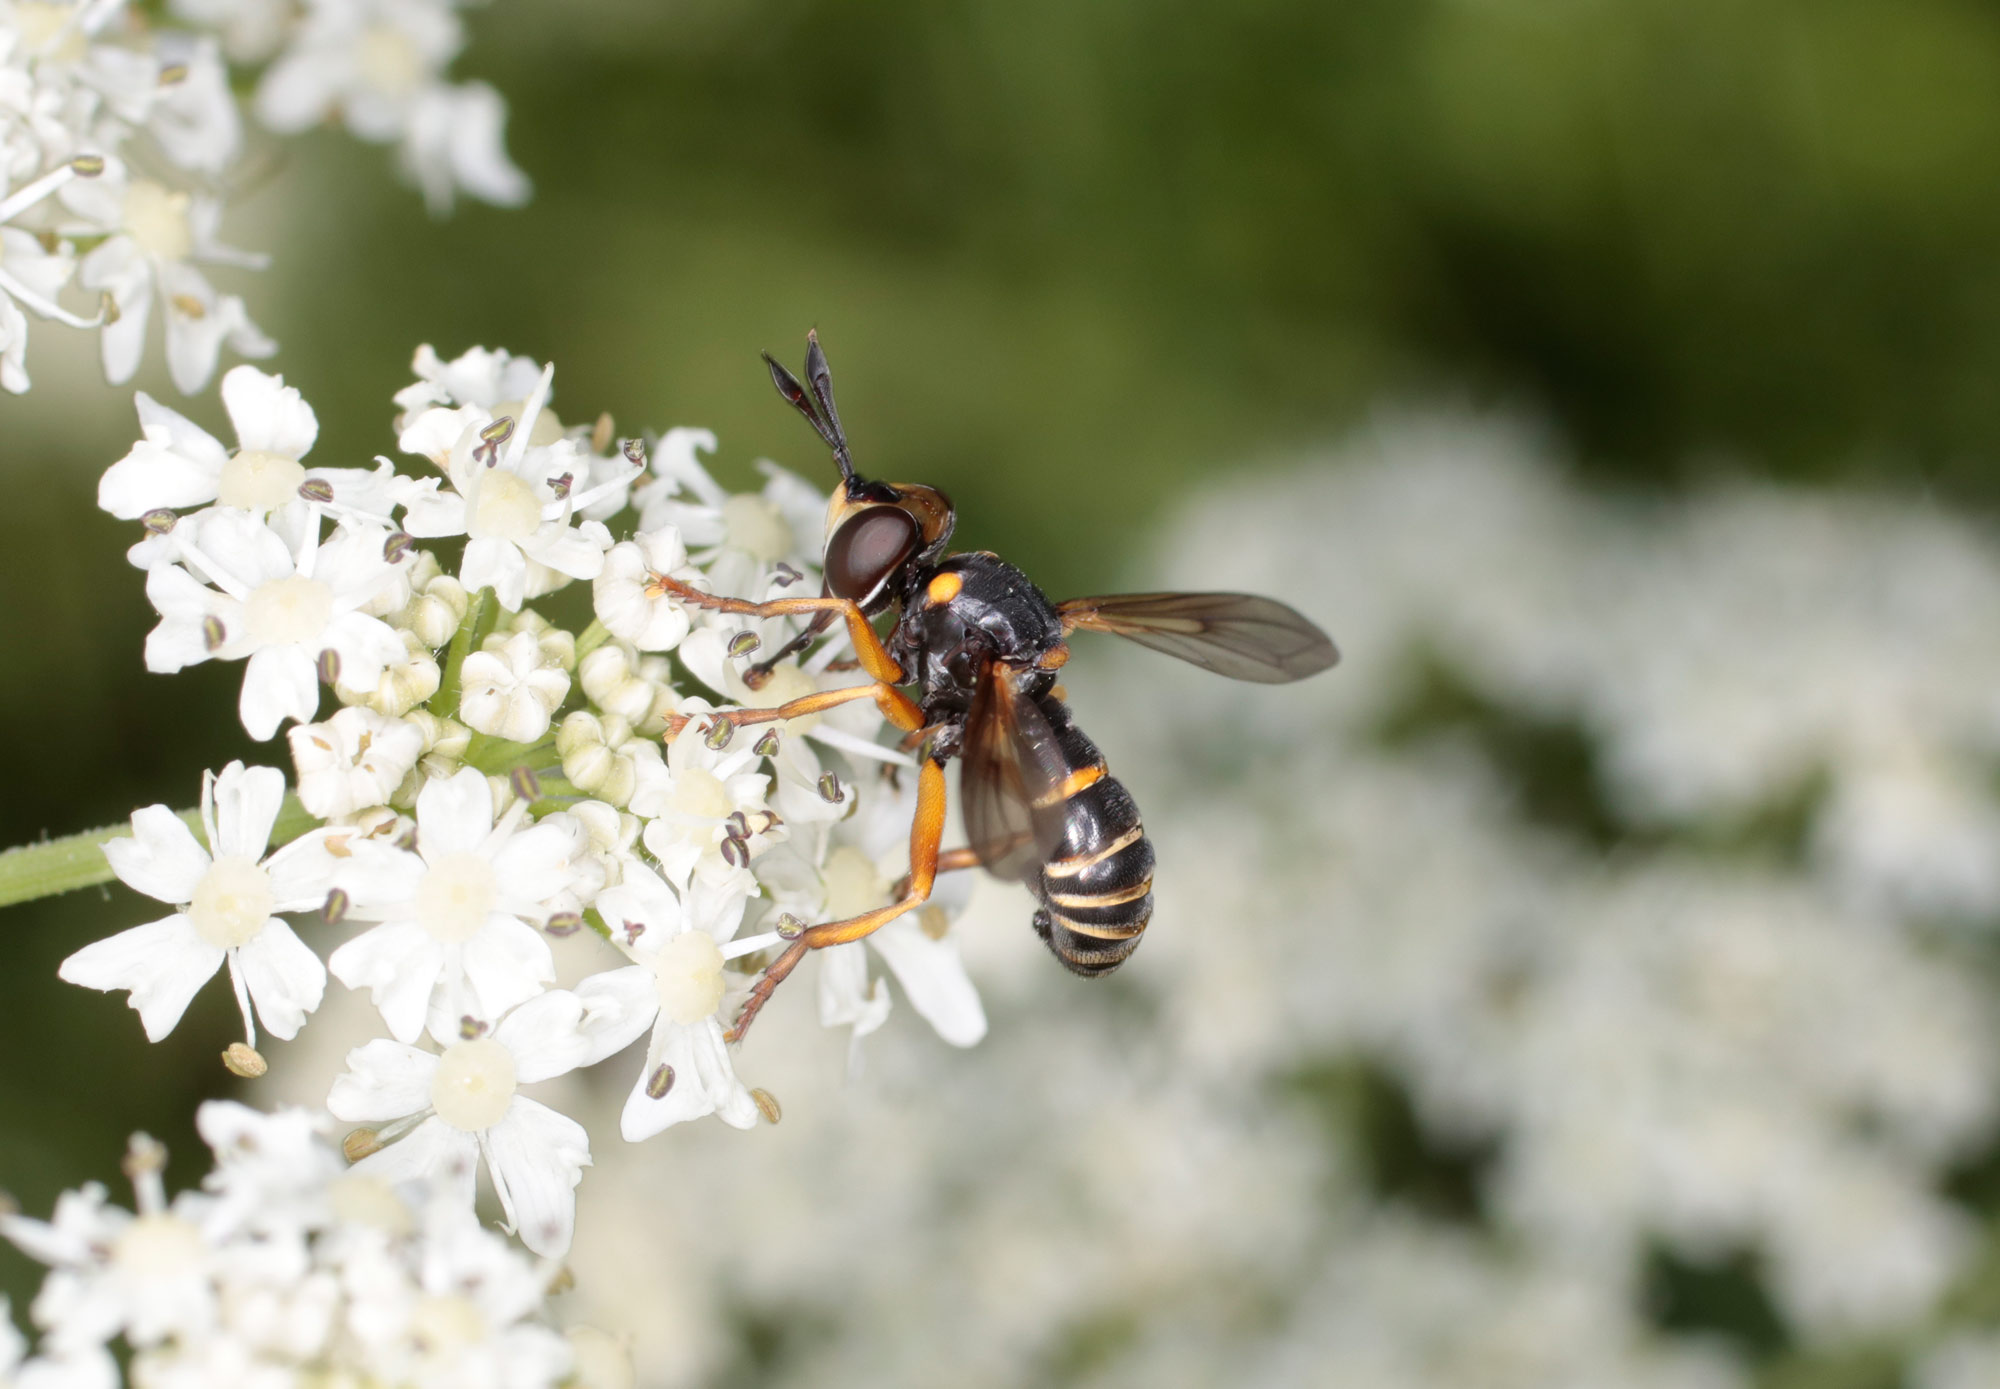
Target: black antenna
[
  {"x": 820, "y": 377},
  {"x": 825, "y": 420},
  {"x": 789, "y": 387}
]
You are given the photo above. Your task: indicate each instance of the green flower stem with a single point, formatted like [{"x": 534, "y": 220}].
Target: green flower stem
[
  {"x": 77, "y": 860},
  {"x": 497, "y": 756},
  {"x": 594, "y": 636},
  {"x": 481, "y": 614}
]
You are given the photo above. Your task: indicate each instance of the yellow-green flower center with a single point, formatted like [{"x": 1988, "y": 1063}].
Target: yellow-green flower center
[
  {"x": 157, "y": 219},
  {"x": 690, "y": 977},
  {"x": 505, "y": 508},
  {"x": 258, "y": 481},
  {"x": 474, "y": 1084},
  {"x": 289, "y": 611},
  {"x": 231, "y": 902},
  {"x": 456, "y": 896},
  {"x": 757, "y": 528}
]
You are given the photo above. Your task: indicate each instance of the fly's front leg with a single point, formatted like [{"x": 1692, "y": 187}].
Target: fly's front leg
[
  {"x": 926, "y": 835},
  {"x": 875, "y": 657}
]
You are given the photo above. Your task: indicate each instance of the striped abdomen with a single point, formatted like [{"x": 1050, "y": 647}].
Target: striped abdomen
[{"x": 1097, "y": 888}]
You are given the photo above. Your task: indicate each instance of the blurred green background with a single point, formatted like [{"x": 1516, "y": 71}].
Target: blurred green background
[{"x": 1066, "y": 260}]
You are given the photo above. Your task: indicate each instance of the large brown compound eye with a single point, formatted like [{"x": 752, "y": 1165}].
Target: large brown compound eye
[{"x": 867, "y": 549}]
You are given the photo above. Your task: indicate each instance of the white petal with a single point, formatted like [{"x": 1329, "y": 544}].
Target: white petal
[
  {"x": 618, "y": 1006},
  {"x": 430, "y": 1152},
  {"x": 384, "y": 1080},
  {"x": 246, "y": 807},
  {"x": 498, "y": 565},
  {"x": 269, "y": 415},
  {"x": 546, "y": 1036},
  {"x": 399, "y": 964},
  {"x": 162, "y": 858},
  {"x": 279, "y": 683},
  {"x": 506, "y": 962},
  {"x": 704, "y": 1082},
  {"x": 454, "y": 814},
  {"x": 162, "y": 964},
  {"x": 536, "y": 864},
  {"x": 846, "y": 994},
  {"x": 286, "y": 980},
  {"x": 537, "y": 1157},
  {"x": 933, "y": 975}
]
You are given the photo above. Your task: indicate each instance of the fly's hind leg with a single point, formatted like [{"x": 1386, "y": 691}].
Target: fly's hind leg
[{"x": 926, "y": 835}]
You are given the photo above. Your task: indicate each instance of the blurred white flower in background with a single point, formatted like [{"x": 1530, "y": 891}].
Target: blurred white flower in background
[
  {"x": 283, "y": 1268},
  {"x": 1566, "y": 858},
  {"x": 120, "y": 133}
]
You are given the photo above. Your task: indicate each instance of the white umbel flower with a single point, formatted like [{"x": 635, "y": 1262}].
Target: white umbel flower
[
  {"x": 179, "y": 465},
  {"x": 630, "y": 603},
  {"x": 466, "y": 1102},
  {"x": 377, "y": 65},
  {"x": 281, "y": 612},
  {"x": 454, "y": 914},
  {"x": 511, "y": 689},
  {"x": 227, "y": 910},
  {"x": 513, "y": 495},
  {"x": 353, "y": 761},
  {"x": 157, "y": 234},
  {"x": 688, "y": 802},
  {"x": 675, "y": 987}
]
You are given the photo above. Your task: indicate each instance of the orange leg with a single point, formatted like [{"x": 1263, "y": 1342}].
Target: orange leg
[
  {"x": 896, "y": 707},
  {"x": 926, "y": 834},
  {"x": 950, "y": 861},
  {"x": 875, "y": 657}
]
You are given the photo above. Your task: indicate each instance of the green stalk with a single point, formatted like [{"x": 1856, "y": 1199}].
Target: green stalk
[
  {"x": 480, "y": 616},
  {"x": 77, "y": 860},
  {"x": 594, "y": 636}
]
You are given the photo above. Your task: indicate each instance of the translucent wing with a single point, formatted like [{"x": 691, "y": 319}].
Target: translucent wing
[
  {"x": 1011, "y": 762},
  {"x": 1238, "y": 635}
]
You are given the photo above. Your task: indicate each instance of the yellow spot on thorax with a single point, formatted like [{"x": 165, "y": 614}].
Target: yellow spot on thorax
[{"x": 943, "y": 588}]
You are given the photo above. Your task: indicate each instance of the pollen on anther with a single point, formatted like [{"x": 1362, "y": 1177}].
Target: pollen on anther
[
  {"x": 334, "y": 910},
  {"x": 564, "y": 924},
  {"x": 634, "y": 450},
  {"x": 316, "y": 489},
  {"x": 525, "y": 784},
  {"x": 829, "y": 789},
  {"x": 359, "y": 1143},
  {"x": 244, "y": 1061},
  {"x": 399, "y": 546},
  {"x": 719, "y": 734},
  {"x": 87, "y": 165},
  {"x": 159, "y": 521},
  {"x": 767, "y": 1105},
  {"x": 213, "y": 633},
  {"x": 660, "y": 1082},
  {"x": 790, "y": 927},
  {"x": 328, "y": 666},
  {"x": 471, "y": 1028},
  {"x": 767, "y": 746},
  {"x": 743, "y": 643}
]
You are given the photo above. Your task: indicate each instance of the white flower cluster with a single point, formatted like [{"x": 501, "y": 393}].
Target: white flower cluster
[
  {"x": 492, "y": 780},
  {"x": 285, "y": 1268},
  {"x": 119, "y": 138},
  {"x": 1713, "y": 1011}
]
